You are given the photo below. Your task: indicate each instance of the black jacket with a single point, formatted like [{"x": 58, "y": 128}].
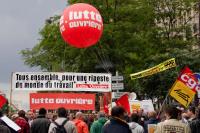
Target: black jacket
[
  {"x": 116, "y": 125},
  {"x": 4, "y": 124},
  {"x": 195, "y": 126},
  {"x": 4, "y": 129},
  {"x": 40, "y": 125}
]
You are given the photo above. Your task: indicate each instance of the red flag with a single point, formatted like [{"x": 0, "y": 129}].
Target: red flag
[
  {"x": 105, "y": 105},
  {"x": 188, "y": 78},
  {"x": 2, "y": 101},
  {"x": 123, "y": 101}
]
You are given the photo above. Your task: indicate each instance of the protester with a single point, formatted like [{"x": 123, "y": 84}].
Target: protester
[
  {"x": 152, "y": 120},
  {"x": 184, "y": 118},
  {"x": 135, "y": 127},
  {"x": 142, "y": 117},
  {"x": 22, "y": 122},
  {"x": 71, "y": 117},
  {"x": 62, "y": 119},
  {"x": 54, "y": 117},
  {"x": 191, "y": 114},
  {"x": 172, "y": 124},
  {"x": 80, "y": 124},
  {"x": 3, "y": 127},
  {"x": 30, "y": 116},
  {"x": 49, "y": 116},
  {"x": 41, "y": 123},
  {"x": 97, "y": 125},
  {"x": 3, "y": 123},
  {"x": 14, "y": 117},
  {"x": 117, "y": 124},
  {"x": 90, "y": 120},
  {"x": 195, "y": 124}
]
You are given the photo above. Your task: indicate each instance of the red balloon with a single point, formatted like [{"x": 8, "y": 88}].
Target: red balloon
[{"x": 81, "y": 25}]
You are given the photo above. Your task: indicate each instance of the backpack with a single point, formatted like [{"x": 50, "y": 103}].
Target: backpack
[{"x": 60, "y": 128}]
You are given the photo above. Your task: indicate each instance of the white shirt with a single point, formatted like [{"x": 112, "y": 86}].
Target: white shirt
[{"x": 136, "y": 128}]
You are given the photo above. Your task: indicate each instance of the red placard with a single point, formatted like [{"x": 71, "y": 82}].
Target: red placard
[{"x": 73, "y": 101}]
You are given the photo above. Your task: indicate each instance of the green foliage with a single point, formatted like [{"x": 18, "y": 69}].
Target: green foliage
[{"x": 138, "y": 34}]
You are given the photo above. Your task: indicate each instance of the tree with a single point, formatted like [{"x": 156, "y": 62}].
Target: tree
[{"x": 137, "y": 35}]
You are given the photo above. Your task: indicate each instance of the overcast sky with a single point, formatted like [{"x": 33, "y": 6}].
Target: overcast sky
[{"x": 20, "y": 22}]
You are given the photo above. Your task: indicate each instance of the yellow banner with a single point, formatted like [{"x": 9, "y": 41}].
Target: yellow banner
[
  {"x": 183, "y": 94},
  {"x": 156, "y": 69}
]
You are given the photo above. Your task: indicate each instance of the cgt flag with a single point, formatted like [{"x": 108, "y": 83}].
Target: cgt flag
[
  {"x": 182, "y": 93},
  {"x": 124, "y": 102},
  {"x": 184, "y": 89},
  {"x": 2, "y": 101},
  {"x": 197, "y": 75},
  {"x": 189, "y": 79}
]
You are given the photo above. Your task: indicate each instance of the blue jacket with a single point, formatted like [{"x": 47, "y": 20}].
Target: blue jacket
[
  {"x": 116, "y": 125},
  {"x": 150, "y": 121}
]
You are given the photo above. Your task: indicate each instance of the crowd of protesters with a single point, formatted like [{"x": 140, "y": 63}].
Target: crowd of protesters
[{"x": 173, "y": 120}]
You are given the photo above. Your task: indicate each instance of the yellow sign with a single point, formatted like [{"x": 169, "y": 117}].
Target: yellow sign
[
  {"x": 151, "y": 128},
  {"x": 156, "y": 69},
  {"x": 183, "y": 94},
  {"x": 136, "y": 106}
]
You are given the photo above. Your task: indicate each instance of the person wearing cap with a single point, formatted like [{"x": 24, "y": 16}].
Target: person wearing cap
[{"x": 98, "y": 124}]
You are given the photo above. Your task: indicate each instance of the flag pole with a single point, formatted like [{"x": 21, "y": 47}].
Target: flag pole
[
  {"x": 167, "y": 95},
  {"x": 164, "y": 101},
  {"x": 10, "y": 101}
]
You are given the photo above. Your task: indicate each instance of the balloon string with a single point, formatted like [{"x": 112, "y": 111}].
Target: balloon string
[
  {"x": 101, "y": 60},
  {"x": 105, "y": 60},
  {"x": 106, "y": 57},
  {"x": 63, "y": 61}
]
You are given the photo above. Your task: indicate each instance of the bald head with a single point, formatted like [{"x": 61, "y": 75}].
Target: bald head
[{"x": 79, "y": 115}]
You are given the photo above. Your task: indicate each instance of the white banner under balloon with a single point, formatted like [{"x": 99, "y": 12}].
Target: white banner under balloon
[{"x": 46, "y": 81}]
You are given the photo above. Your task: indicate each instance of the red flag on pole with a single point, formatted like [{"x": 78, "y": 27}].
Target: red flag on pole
[
  {"x": 105, "y": 105},
  {"x": 123, "y": 101},
  {"x": 2, "y": 101}
]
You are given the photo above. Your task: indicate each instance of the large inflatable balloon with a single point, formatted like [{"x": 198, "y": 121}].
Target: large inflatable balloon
[{"x": 81, "y": 25}]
